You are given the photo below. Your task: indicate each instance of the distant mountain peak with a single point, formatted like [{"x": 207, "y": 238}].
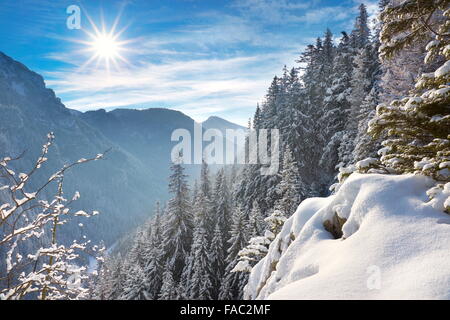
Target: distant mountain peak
[{"x": 215, "y": 122}]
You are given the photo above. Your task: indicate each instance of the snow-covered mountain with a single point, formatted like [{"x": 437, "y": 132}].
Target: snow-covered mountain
[{"x": 394, "y": 244}]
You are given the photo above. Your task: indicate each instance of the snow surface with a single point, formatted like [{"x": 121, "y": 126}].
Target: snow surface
[{"x": 395, "y": 245}]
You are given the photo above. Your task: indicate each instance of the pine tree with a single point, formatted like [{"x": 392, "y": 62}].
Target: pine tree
[
  {"x": 136, "y": 253},
  {"x": 178, "y": 223},
  {"x": 290, "y": 185},
  {"x": 203, "y": 205},
  {"x": 233, "y": 284},
  {"x": 256, "y": 223},
  {"x": 221, "y": 202},
  {"x": 257, "y": 118},
  {"x": 418, "y": 126},
  {"x": 168, "y": 289},
  {"x": 184, "y": 286},
  {"x": 365, "y": 75},
  {"x": 258, "y": 246},
  {"x": 104, "y": 284},
  {"x": 365, "y": 145},
  {"x": 337, "y": 105},
  {"x": 216, "y": 259},
  {"x": 135, "y": 286},
  {"x": 316, "y": 80},
  {"x": 154, "y": 259},
  {"x": 200, "y": 286},
  {"x": 361, "y": 32},
  {"x": 117, "y": 279}
]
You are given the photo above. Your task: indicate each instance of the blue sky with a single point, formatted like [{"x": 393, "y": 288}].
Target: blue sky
[{"x": 202, "y": 57}]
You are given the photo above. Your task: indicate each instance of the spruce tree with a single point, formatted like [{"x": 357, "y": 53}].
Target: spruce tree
[
  {"x": 200, "y": 286},
  {"x": 233, "y": 284},
  {"x": 154, "y": 267},
  {"x": 337, "y": 105},
  {"x": 256, "y": 223},
  {"x": 361, "y": 32},
  {"x": 221, "y": 203},
  {"x": 417, "y": 126},
  {"x": 168, "y": 289},
  {"x": 135, "y": 286},
  {"x": 203, "y": 205},
  {"x": 178, "y": 223},
  {"x": 216, "y": 258},
  {"x": 290, "y": 185}
]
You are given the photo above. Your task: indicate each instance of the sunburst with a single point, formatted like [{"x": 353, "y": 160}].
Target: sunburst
[{"x": 105, "y": 47}]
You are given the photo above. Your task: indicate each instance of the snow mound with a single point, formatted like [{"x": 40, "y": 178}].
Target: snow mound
[{"x": 394, "y": 244}]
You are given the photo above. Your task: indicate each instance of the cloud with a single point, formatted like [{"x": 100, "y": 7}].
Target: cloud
[
  {"x": 291, "y": 12},
  {"x": 271, "y": 11},
  {"x": 219, "y": 61},
  {"x": 221, "y": 64},
  {"x": 198, "y": 87},
  {"x": 326, "y": 14}
]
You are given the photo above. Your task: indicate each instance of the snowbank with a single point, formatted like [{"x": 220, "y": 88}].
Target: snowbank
[{"x": 395, "y": 245}]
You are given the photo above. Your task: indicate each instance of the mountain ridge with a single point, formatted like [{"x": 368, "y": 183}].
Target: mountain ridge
[{"x": 125, "y": 186}]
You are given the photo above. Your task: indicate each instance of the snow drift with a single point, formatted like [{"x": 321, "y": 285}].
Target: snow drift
[{"x": 395, "y": 244}]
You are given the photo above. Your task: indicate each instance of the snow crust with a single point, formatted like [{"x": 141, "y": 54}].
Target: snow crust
[{"x": 395, "y": 245}]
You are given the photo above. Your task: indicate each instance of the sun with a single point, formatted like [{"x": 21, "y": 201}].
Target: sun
[{"x": 106, "y": 46}]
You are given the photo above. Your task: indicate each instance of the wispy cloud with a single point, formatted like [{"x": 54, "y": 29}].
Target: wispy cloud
[
  {"x": 216, "y": 61},
  {"x": 199, "y": 87},
  {"x": 272, "y": 11}
]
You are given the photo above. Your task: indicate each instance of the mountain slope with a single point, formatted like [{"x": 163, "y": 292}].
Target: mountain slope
[
  {"x": 120, "y": 187},
  {"x": 146, "y": 134},
  {"x": 125, "y": 186},
  {"x": 395, "y": 245}
]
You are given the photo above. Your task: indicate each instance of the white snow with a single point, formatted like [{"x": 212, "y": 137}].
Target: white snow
[
  {"x": 395, "y": 245},
  {"x": 432, "y": 44},
  {"x": 443, "y": 70}
]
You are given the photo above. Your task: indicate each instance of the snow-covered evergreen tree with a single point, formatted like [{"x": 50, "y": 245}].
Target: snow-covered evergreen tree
[
  {"x": 290, "y": 185},
  {"x": 256, "y": 223},
  {"x": 117, "y": 278},
  {"x": 365, "y": 145},
  {"x": 153, "y": 269},
  {"x": 361, "y": 32},
  {"x": 200, "y": 286},
  {"x": 169, "y": 288},
  {"x": 216, "y": 257},
  {"x": 364, "y": 74},
  {"x": 203, "y": 204},
  {"x": 221, "y": 203},
  {"x": 337, "y": 105},
  {"x": 135, "y": 284},
  {"x": 258, "y": 246},
  {"x": 417, "y": 126},
  {"x": 233, "y": 283},
  {"x": 178, "y": 225}
]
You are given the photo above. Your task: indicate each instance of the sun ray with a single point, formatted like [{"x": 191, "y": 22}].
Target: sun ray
[
  {"x": 104, "y": 45},
  {"x": 87, "y": 63},
  {"x": 117, "y": 19},
  {"x": 91, "y": 22}
]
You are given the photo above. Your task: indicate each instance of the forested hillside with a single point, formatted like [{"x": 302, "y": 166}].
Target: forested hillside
[
  {"x": 363, "y": 184},
  {"x": 375, "y": 100}
]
